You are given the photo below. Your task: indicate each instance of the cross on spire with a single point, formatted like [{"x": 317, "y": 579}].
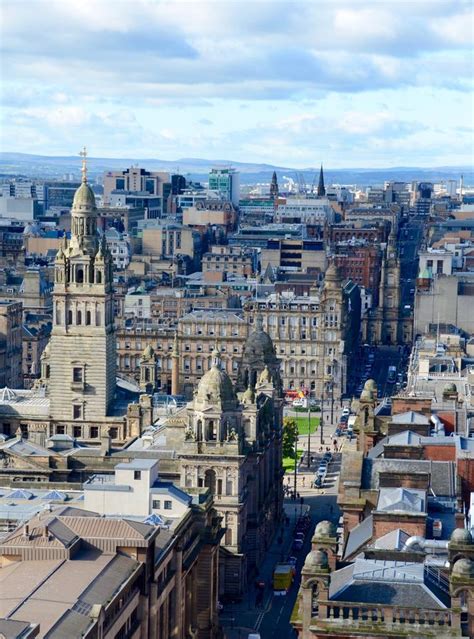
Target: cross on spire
[{"x": 83, "y": 155}]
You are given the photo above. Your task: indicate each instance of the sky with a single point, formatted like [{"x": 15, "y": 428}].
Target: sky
[{"x": 350, "y": 84}]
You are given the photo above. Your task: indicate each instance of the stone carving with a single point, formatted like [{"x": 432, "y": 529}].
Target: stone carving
[
  {"x": 233, "y": 435},
  {"x": 189, "y": 434}
]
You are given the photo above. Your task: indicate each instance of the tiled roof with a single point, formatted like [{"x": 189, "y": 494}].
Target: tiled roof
[{"x": 107, "y": 528}]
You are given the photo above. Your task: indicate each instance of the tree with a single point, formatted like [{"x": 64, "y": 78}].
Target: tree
[{"x": 290, "y": 436}]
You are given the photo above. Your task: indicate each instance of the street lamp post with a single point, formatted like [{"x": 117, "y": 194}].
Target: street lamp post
[
  {"x": 309, "y": 434},
  {"x": 321, "y": 421},
  {"x": 296, "y": 462},
  {"x": 332, "y": 401}
]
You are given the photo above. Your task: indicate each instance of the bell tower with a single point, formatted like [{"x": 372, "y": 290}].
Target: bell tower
[{"x": 81, "y": 383}]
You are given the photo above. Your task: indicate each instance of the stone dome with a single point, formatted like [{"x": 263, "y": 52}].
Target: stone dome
[
  {"x": 450, "y": 388},
  {"x": 461, "y": 536},
  {"x": 259, "y": 343},
  {"x": 370, "y": 385},
  {"x": 316, "y": 559},
  {"x": 369, "y": 392},
  {"x": 332, "y": 273},
  {"x": 84, "y": 198},
  {"x": 148, "y": 353},
  {"x": 215, "y": 387},
  {"x": 463, "y": 568},
  {"x": 325, "y": 528}
]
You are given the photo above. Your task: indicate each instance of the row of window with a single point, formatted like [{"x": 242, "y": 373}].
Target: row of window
[{"x": 167, "y": 504}]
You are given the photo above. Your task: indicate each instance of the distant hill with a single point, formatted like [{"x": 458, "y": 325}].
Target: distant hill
[{"x": 42, "y": 166}]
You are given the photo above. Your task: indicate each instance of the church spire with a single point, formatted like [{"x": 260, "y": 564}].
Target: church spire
[
  {"x": 274, "y": 186},
  {"x": 321, "y": 187}
]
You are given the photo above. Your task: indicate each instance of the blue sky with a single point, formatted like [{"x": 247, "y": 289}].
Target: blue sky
[{"x": 351, "y": 84}]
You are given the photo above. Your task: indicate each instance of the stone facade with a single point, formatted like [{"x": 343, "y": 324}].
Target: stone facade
[{"x": 232, "y": 444}]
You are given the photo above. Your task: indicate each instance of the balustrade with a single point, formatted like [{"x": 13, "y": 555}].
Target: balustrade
[{"x": 377, "y": 614}]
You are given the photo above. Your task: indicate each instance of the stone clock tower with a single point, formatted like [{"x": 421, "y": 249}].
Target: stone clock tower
[{"x": 81, "y": 367}]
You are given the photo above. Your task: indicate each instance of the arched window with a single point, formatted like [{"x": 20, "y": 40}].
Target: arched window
[
  {"x": 79, "y": 318},
  {"x": 69, "y": 317},
  {"x": 98, "y": 277},
  {"x": 58, "y": 316},
  {"x": 97, "y": 317},
  {"x": 88, "y": 318},
  {"x": 199, "y": 430},
  {"x": 210, "y": 480},
  {"x": 80, "y": 275}
]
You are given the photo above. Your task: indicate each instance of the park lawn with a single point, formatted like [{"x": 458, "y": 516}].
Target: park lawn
[
  {"x": 289, "y": 462},
  {"x": 303, "y": 424}
]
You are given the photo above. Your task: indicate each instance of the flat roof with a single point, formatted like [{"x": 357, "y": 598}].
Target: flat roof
[{"x": 137, "y": 464}]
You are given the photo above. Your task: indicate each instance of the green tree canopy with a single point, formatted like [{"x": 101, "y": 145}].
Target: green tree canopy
[{"x": 290, "y": 436}]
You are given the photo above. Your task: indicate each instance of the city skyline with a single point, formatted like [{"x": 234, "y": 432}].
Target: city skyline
[{"x": 376, "y": 85}]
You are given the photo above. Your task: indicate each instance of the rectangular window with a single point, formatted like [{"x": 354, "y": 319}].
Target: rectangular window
[
  {"x": 113, "y": 432},
  {"x": 156, "y": 504},
  {"x": 137, "y": 474},
  {"x": 168, "y": 504},
  {"x": 60, "y": 430},
  {"x": 77, "y": 432},
  {"x": 94, "y": 432},
  {"x": 76, "y": 411},
  {"x": 77, "y": 375}
]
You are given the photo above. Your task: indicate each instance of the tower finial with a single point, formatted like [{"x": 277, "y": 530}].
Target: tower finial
[{"x": 83, "y": 155}]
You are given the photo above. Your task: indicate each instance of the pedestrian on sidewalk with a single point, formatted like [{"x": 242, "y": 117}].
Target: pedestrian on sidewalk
[{"x": 303, "y": 481}]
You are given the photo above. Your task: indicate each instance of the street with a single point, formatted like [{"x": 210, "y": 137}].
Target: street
[{"x": 272, "y": 617}]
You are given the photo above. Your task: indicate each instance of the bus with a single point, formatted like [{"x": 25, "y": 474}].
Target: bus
[{"x": 392, "y": 374}]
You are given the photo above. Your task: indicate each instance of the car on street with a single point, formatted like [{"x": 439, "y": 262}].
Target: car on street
[
  {"x": 346, "y": 411},
  {"x": 297, "y": 544}
]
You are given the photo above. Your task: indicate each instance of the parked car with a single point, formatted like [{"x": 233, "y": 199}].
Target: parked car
[
  {"x": 327, "y": 457},
  {"x": 318, "y": 482},
  {"x": 299, "y": 403},
  {"x": 346, "y": 411}
]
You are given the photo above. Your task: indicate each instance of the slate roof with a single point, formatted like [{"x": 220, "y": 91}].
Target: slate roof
[
  {"x": 442, "y": 473},
  {"x": 24, "y": 447},
  {"x": 392, "y": 583},
  {"x": 410, "y": 417}
]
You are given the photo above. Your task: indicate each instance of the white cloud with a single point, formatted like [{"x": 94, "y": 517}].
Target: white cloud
[{"x": 147, "y": 73}]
